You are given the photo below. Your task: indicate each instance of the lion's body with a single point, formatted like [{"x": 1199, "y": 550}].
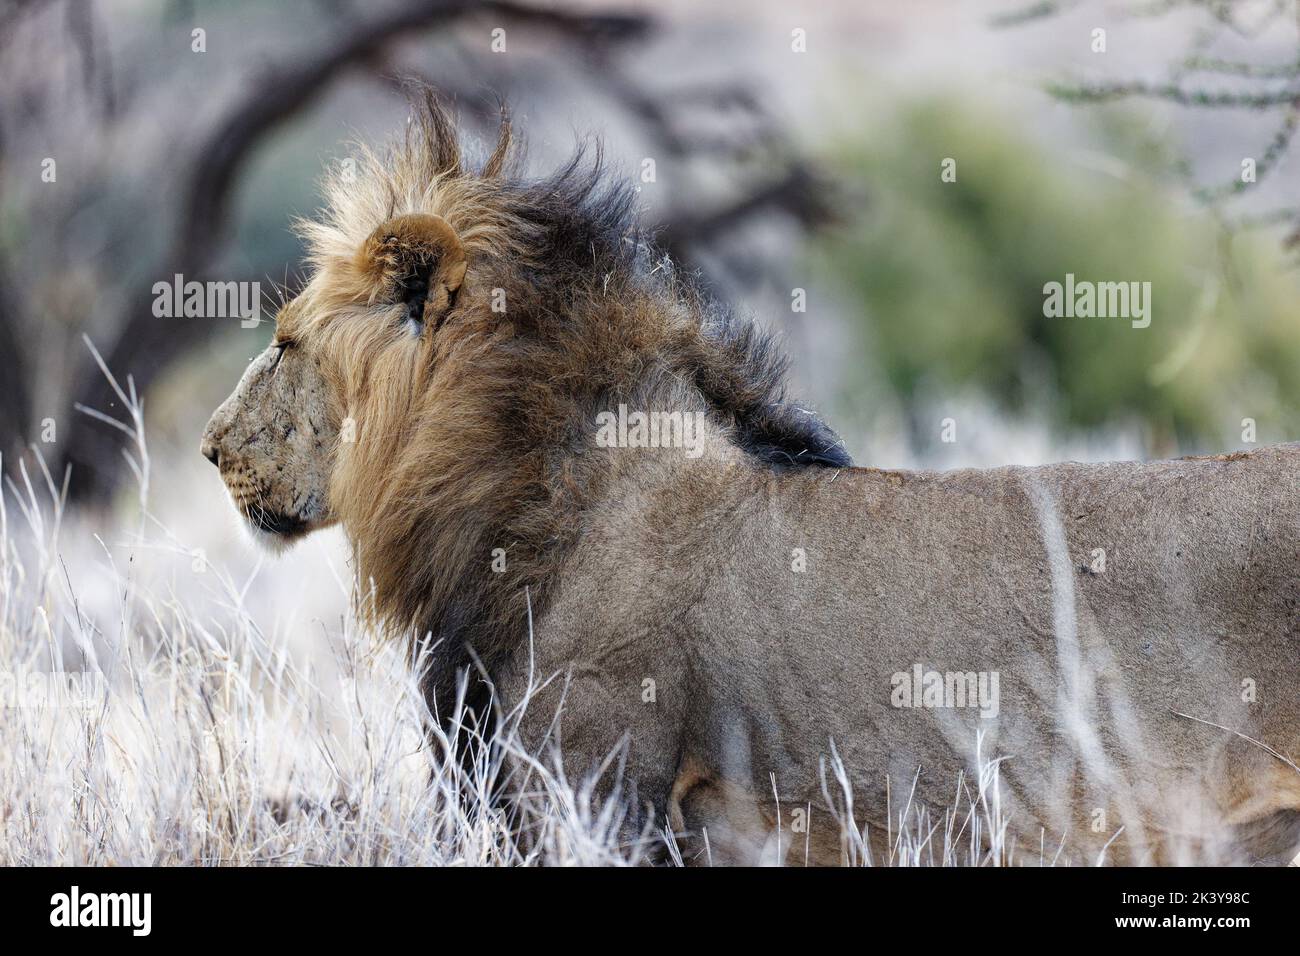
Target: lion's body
[
  {"x": 1105, "y": 676},
  {"x": 736, "y": 608}
]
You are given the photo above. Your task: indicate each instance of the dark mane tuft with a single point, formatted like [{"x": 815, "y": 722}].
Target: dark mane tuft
[
  {"x": 583, "y": 227},
  {"x": 585, "y": 219},
  {"x": 745, "y": 378}
]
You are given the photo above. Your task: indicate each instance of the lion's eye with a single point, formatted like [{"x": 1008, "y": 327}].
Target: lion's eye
[{"x": 281, "y": 348}]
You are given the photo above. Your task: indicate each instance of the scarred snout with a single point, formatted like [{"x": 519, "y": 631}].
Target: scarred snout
[{"x": 274, "y": 446}]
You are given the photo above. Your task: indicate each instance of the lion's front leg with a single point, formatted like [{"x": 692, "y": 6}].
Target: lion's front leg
[
  {"x": 599, "y": 738},
  {"x": 716, "y": 823}
]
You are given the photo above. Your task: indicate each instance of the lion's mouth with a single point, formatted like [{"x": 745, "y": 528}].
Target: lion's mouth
[{"x": 274, "y": 522}]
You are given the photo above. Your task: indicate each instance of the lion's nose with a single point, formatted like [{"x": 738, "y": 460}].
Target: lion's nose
[
  {"x": 210, "y": 452},
  {"x": 214, "y": 434}
]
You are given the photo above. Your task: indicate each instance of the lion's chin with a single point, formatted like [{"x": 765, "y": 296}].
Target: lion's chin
[{"x": 275, "y": 532}]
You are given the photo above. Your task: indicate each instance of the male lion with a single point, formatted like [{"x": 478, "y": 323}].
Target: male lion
[{"x": 511, "y": 407}]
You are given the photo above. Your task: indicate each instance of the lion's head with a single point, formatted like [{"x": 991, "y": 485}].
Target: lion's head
[
  {"x": 348, "y": 349},
  {"x": 364, "y": 319}
]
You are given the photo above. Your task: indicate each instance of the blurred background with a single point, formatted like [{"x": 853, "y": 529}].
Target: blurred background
[{"x": 791, "y": 153}]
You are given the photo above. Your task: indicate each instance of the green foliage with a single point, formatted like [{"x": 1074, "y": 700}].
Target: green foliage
[{"x": 949, "y": 280}]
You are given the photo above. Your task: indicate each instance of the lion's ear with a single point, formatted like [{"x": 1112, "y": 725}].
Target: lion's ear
[{"x": 416, "y": 260}]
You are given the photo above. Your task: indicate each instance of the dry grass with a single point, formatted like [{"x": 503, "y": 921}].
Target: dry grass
[{"x": 199, "y": 739}]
